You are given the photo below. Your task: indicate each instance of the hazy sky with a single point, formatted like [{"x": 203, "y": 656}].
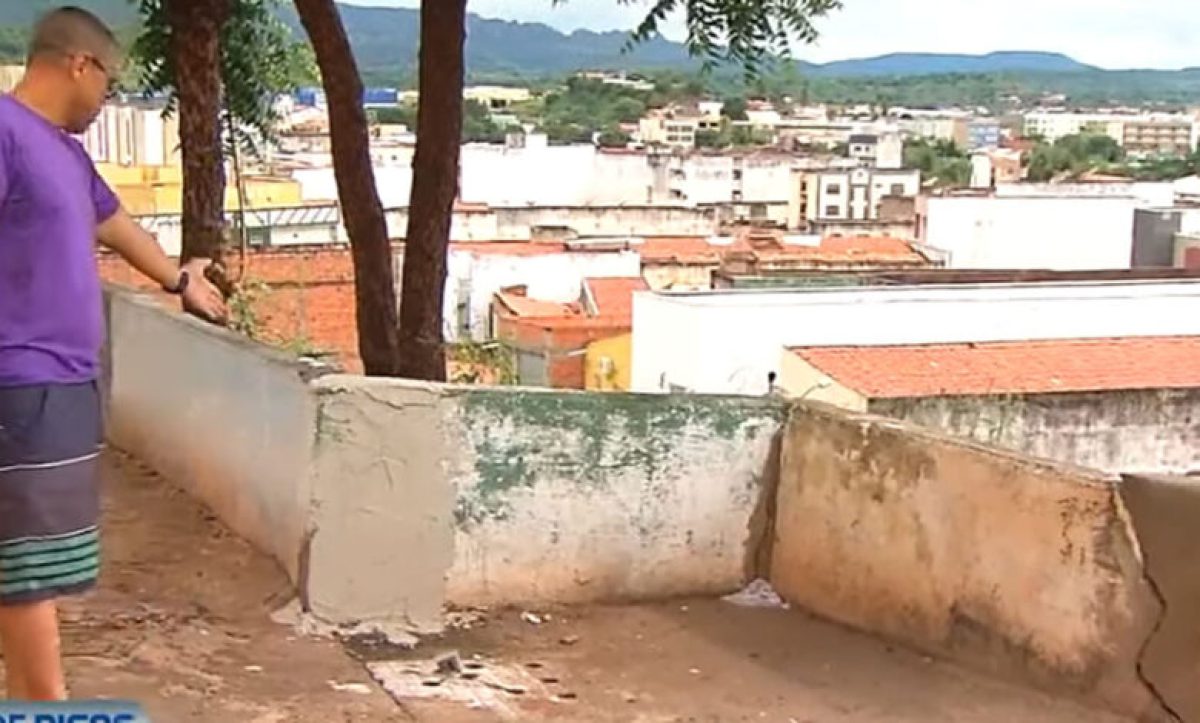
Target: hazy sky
[{"x": 1108, "y": 33}]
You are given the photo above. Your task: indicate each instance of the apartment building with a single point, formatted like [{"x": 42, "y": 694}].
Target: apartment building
[
  {"x": 847, "y": 195},
  {"x": 1145, "y": 134},
  {"x": 666, "y": 128},
  {"x": 1164, "y": 136}
]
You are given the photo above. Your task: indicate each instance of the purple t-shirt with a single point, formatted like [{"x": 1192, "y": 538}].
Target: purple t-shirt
[{"x": 51, "y": 201}]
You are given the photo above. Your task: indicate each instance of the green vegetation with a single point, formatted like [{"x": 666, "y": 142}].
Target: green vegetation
[
  {"x": 1073, "y": 155},
  {"x": 942, "y": 163},
  {"x": 478, "y": 126}
]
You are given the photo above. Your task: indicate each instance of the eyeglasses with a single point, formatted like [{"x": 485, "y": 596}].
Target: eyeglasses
[{"x": 111, "y": 77}]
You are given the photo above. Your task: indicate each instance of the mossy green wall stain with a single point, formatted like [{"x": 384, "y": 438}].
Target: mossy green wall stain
[{"x": 522, "y": 437}]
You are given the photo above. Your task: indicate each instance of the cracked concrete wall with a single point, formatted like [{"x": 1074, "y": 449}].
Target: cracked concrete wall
[
  {"x": 228, "y": 419},
  {"x": 1164, "y": 512},
  {"x": 1020, "y": 567}
]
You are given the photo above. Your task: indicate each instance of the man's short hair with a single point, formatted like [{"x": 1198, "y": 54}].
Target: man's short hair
[{"x": 68, "y": 30}]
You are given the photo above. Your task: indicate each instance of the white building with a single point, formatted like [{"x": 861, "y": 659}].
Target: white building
[
  {"x": 1062, "y": 233},
  {"x": 575, "y": 175},
  {"x": 128, "y": 134},
  {"x": 728, "y": 342},
  {"x": 847, "y": 194},
  {"x": 476, "y": 272}
]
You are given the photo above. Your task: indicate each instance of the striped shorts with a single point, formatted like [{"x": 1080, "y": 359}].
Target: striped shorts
[{"x": 50, "y": 440}]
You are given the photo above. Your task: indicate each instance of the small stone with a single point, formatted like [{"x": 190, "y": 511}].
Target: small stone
[
  {"x": 534, "y": 665},
  {"x": 566, "y": 695},
  {"x": 629, "y": 697},
  {"x": 433, "y": 682},
  {"x": 694, "y": 671},
  {"x": 531, "y": 618},
  {"x": 473, "y": 665},
  {"x": 569, "y": 639},
  {"x": 514, "y": 689},
  {"x": 448, "y": 663},
  {"x": 550, "y": 680},
  {"x": 253, "y": 669},
  {"x": 683, "y": 608}
]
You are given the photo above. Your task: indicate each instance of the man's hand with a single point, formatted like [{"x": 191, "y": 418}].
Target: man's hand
[{"x": 201, "y": 297}]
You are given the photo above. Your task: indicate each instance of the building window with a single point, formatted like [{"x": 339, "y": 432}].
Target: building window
[
  {"x": 834, "y": 189},
  {"x": 897, "y": 189},
  {"x": 832, "y": 211},
  {"x": 737, "y": 174}
]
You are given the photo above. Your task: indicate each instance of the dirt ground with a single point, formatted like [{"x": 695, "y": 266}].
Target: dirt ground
[{"x": 181, "y": 624}]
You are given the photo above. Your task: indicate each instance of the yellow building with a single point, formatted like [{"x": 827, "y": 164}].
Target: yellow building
[
  {"x": 10, "y": 75},
  {"x": 607, "y": 366},
  {"x": 158, "y": 190}
]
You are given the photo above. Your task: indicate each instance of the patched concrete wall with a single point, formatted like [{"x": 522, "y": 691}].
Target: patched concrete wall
[
  {"x": 570, "y": 497},
  {"x": 495, "y": 496},
  {"x": 230, "y": 420},
  {"x": 1136, "y": 431},
  {"x": 382, "y": 534},
  {"x": 1002, "y": 562}
]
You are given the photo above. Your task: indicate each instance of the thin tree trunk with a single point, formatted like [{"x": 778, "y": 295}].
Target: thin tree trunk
[
  {"x": 435, "y": 186},
  {"x": 374, "y": 278},
  {"x": 196, "y": 50}
]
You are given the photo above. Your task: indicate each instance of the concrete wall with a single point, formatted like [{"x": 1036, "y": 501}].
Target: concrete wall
[
  {"x": 1001, "y": 562},
  {"x": 728, "y": 341},
  {"x": 1134, "y": 431},
  {"x": 578, "y": 497},
  {"x": 385, "y": 499},
  {"x": 229, "y": 420}
]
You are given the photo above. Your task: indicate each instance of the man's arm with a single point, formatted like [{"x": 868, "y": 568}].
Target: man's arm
[{"x": 123, "y": 235}]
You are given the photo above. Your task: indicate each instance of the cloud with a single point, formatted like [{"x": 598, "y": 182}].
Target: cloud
[{"x": 1108, "y": 33}]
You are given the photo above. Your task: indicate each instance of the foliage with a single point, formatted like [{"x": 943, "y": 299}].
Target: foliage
[
  {"x": 1164, "y": 169},
  {"x": 243, "y": 306},
  {"x": 735, "y": 108},
  {"x": 478, "y": 126},
  {"x": 613, "y": 138},
  {"x": 750, "y": 34},
  {"x": 475, "y": 363},
  {"x": 1073, "y": 155},
  {"x": 259, "y": 60},
  {"x": 584, "y": 107},
  {"x": 941, "y": 162}
]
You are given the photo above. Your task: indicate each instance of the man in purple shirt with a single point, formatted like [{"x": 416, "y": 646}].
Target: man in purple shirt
[{"x": 53, "y": 209}]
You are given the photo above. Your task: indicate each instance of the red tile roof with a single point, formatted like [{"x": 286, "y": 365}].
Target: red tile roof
[
  {"x": 614, "y": 297},
  {"x": 831, "y": 250},
  {"x": 1029, "y": 367},
  {"x": 679, "y": 250},
  {"x": 510, "y": 248}
]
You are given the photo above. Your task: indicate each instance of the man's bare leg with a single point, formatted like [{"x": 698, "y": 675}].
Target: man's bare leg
[{"x": 32, "y": 651}]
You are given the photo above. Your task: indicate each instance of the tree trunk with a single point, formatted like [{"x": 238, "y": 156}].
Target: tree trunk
[
  {"x": 196, "y": 53},
  {"x": 374, "y": 278},
  {"x": 435, "y": 186}
]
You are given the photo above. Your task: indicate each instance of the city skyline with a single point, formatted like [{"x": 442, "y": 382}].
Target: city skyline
[{"x": 1112, "y": 34}]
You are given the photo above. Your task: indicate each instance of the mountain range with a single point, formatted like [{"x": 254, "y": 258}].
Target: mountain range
[{"x": 385, "y": 40}]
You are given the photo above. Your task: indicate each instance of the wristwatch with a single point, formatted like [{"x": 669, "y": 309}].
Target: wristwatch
[{"x": 180, "y": 285}]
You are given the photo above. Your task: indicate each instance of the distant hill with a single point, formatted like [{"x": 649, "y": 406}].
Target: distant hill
[
  {"x": 385, "y": 41},
  {"x": 937, "y": 64}
]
